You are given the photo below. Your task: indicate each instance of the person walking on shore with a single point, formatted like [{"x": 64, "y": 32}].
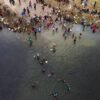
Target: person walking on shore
[
  {"x": 19, "y": 2},
  {"x": 12, "y": 2},
  {"x": 28, "y": 11},
  {"x": 30, "y": 4},
  {"x": 34, "y": 6},
  {"x": 94, "y": 4},
  {"x": 94, "y": 29}
]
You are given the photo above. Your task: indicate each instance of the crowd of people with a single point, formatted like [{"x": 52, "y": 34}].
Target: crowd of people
[{"x": 37, "y": 24}]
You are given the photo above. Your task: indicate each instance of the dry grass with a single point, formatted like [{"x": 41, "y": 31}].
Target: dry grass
[
  {"x": 91, "y": 2},
  {"x": 56, "y": 4}
]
